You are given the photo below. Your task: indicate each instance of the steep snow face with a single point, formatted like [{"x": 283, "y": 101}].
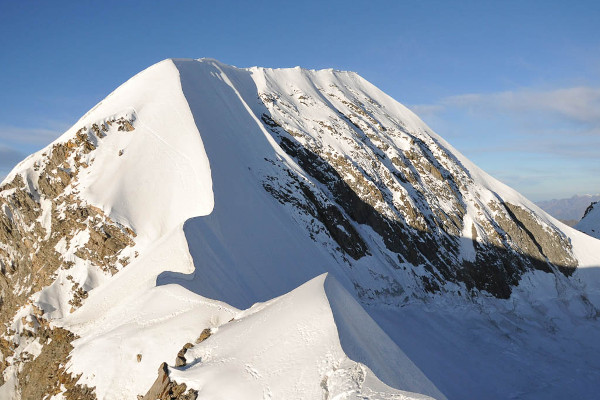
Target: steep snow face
[
  {"x": 590, "y": 223},
  {"x": 163, "y": 170},
  {"x": 361, "y": 182}
]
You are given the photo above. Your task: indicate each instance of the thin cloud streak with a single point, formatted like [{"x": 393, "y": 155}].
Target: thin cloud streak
[
  {"x": 513, "y": 133},
  {"x": 9, "y": 157},
  {"x": 564, "y": 122},
  {"x": 31, "y": 136},
  {"x": 562, "y": 147},
  {"x": 577, "y": 104}
]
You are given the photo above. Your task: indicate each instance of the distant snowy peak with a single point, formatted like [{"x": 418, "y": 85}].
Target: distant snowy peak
[{"x": 590, "y": 223}]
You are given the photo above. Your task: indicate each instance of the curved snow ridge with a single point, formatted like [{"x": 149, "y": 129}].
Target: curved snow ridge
[
  {"x": 314, "y": 342},
  {"x": 152, "y": 177},
  {"x": 365, "y": 342},
  {"x": 159, "y": 168},
  {"x": 164, "y": 171}
]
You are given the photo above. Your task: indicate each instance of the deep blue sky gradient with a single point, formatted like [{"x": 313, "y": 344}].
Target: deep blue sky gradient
[{"x": 58, "y": 59}]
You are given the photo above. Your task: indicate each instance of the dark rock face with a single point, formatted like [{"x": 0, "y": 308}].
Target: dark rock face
[
  {"x": 414, "y": 198},
  {"x": 43, "y": 375},
  {"x": 589, "y": 208},
  {"x": 542, "y": 245},
  {"x": 590, "y": 223}
]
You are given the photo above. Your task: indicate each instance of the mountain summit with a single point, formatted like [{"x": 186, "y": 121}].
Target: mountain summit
[{"x": 281, "y": 233}]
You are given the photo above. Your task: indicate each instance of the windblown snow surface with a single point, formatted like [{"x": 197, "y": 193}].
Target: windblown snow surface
[{"x": 217, "y": 251}]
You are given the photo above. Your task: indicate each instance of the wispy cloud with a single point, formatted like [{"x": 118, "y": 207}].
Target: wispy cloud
[
  {"x": 16, "y": 142},
  {"x": 542, "y": 142},
  {"x": 581, "y": 104},
  {"x": 562, "y": 121},
  {"x": 9, "y": 157},
  {"x": 28, "y": 136},
  {"x": 427, "y": 109}
]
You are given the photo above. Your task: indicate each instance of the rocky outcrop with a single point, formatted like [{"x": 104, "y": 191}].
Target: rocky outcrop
[
  {"x": 45, "y": 375},
  {"x": 589, "y": 209},
  {"x": 42, "y": 218},
  {"x": 166, "y": 389},
  {"x": 543, "y": 245},
  {"x": 180, "y": 360}
]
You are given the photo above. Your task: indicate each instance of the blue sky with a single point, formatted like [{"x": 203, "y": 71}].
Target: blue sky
[{"x": 514, "y": 85}]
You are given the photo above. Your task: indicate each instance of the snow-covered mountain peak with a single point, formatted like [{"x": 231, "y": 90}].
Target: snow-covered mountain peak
[{"x": 196, "y": 201}]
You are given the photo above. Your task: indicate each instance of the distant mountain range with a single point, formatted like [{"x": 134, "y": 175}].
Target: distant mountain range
[{"x": 569, "y": 211}]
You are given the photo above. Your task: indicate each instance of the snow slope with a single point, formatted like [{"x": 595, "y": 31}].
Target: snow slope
[{"x": 200, "y": 180}]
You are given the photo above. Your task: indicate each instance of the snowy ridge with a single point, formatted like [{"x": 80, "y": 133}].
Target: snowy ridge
[{"x": 238, "y": 360}]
